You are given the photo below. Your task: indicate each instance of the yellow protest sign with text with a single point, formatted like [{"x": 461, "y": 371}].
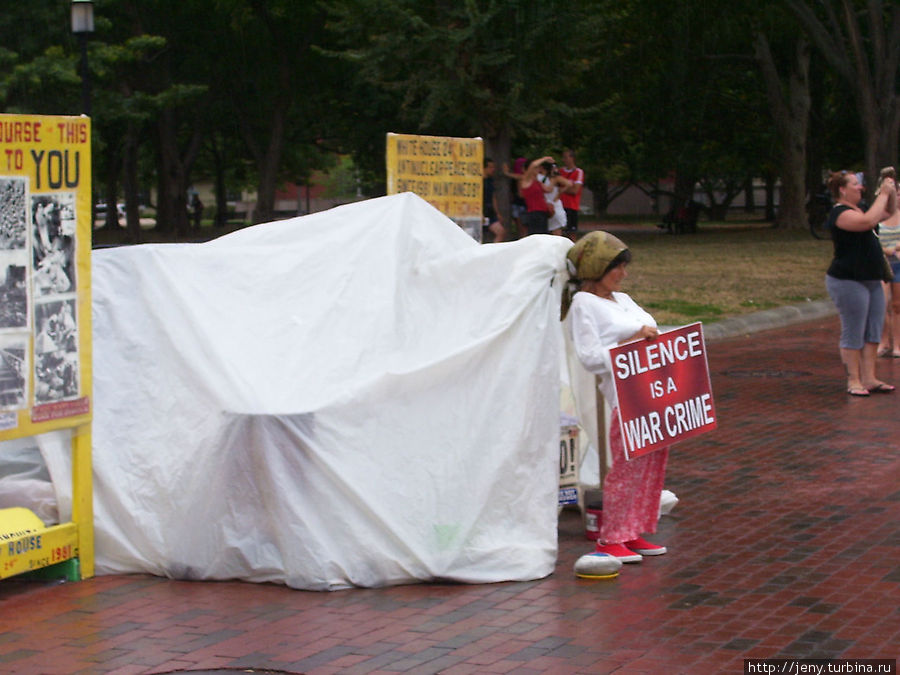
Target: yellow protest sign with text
[
  {"x": 45, "y": 317},
  {"x": 444, "y": 171},
  {"x": 45, "y": 246}
]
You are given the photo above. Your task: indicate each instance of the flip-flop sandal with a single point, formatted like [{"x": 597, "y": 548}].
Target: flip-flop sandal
[
  {"x": 882, "y": 389},
  {"x": 858, "y": 392}
]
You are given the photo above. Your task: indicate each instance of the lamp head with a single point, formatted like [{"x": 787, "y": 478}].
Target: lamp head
[{"x": 82, "y": 16}]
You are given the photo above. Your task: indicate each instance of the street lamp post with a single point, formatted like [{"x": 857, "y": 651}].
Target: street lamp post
[{"x": 82, "y": 26}]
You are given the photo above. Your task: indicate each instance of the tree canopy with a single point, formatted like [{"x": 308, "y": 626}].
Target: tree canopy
[{"x": 664, "y": 96}]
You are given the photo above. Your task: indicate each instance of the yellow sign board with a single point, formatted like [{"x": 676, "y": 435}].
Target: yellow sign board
[
  {"x": 45, "y": 313},
  {"x": 45, "y": 245},
  {"x": 444, "y": 171},
  {"x": 26, "y": 545}
]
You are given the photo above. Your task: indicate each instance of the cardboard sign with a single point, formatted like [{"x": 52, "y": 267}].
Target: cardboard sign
[
  {"x": 444, "y": 171},
  {"x": 664, "y": 390},
  {"x": 568, "y": 464}
]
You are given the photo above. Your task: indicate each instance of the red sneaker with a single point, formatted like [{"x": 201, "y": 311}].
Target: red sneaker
[
  {"x": 619, "y": 551},
  {"x": 644, "y": 547}
]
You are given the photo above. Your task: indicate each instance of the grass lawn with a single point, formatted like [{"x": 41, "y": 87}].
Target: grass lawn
[{"x": 724, "y": 270}]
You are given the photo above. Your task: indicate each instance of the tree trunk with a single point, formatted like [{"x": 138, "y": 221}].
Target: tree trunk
[
  {"x": 749, "y": 196},
  {"x": 876, "y": 89},
  {"x": 268, "y": 169},
  {"x": 174, "y": 170},
  {"x": 165, "y": 223},
  {"x": 221, "y": 217},
  {"x": 684, "y": 187},
  {"x": 884, "y": 129},
  {"x": 868, "y": 64},
  {"x": 792, "y": 197},
  {"x": 600, "y": 190},
  {"x": 718, "y": 211},
  {"x": 130, "y": 184},
  {"x": 815, "y": 145},
  {"x": 770, "y": 197},
  {"x": 111, "y": 192},
  {"x": 790, "y": 114}
]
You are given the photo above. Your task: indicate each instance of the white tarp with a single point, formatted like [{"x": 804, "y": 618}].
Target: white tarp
[
  {"x": 25, "y": 480},
  {"x": 364, "y": 396}
]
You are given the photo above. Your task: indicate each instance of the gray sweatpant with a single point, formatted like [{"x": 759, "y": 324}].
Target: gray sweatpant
[{"x": 861, "y": 307}]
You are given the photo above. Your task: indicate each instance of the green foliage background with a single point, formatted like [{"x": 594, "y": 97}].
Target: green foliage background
[{"x": 252, "y": 94}]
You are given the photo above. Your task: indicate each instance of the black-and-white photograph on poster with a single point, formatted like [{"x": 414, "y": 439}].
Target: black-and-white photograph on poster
[
  {"x": 56, "y": 360},
  {"x": 13, "y": 292},
  {"x": 13, "y": 373},
  {"x": 13, "y": 216},
  {"x": 53, "y": 243}
]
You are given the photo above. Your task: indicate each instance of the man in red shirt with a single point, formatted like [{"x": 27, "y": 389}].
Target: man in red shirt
[{"x": 571, "y": 196}]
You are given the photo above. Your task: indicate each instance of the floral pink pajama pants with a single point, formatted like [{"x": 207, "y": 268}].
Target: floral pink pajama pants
[{"x": 631, "y": 490}]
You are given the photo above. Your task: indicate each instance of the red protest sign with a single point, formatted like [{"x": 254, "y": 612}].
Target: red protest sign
[{"x": 664, "y": 390}]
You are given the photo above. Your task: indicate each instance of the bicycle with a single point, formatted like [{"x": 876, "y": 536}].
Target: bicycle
[{"x": 817, "y": 213}]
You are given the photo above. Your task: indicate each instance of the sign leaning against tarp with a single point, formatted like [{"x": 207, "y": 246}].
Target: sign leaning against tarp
[
  {"x": 45, "y": 314},
  {"x": 444, "y": 171}
]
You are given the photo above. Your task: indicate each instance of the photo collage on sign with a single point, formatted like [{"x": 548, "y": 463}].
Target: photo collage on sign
[
  {"x": 54, "y": 287},
  {"x": 15, "y": 306},
  {"x": 38, "y": 296}
]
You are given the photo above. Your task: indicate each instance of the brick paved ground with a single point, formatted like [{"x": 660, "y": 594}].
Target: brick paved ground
[{"x": 786, "y": 543}]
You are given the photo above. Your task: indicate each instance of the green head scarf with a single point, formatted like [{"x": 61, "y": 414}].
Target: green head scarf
[{"x": 587, "y": 260}]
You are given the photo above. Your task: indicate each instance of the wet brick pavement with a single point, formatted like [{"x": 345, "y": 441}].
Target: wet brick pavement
[{"x": 785, "y": 543}]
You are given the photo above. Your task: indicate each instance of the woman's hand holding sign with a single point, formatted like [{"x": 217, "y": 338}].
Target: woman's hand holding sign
[{"x": 645, "y": 333}]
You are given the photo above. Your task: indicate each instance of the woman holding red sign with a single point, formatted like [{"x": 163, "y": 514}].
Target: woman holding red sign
[{"x": 602, "y": 318}]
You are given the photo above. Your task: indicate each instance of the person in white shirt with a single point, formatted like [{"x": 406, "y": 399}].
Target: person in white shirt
[
  {"x": 550, "y": 177},
  {"x": 602, "y": 317},
  {"x": 889, "y": 237}
]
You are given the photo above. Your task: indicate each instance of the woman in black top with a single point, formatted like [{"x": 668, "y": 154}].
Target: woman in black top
[{"x": 854, "y": 279}]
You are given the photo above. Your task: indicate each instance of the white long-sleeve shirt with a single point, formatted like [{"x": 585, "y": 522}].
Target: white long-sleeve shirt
[{"x": 598, "y": 325}]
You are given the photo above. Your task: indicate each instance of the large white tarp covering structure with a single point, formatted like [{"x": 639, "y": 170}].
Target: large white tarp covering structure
[{"x": 364, "y": 396}]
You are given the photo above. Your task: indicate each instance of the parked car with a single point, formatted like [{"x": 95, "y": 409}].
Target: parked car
[{"x": 100, "y": 210}]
